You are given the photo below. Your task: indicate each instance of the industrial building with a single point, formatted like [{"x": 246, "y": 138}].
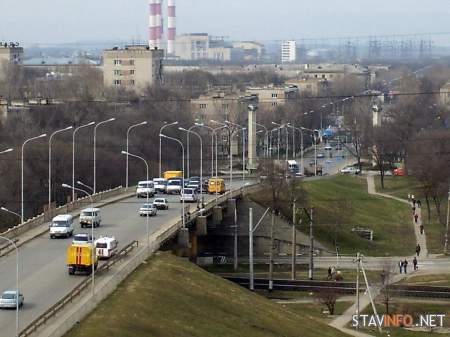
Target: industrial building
[
  {"x": 288, "y": 51},
  {"x": 134, "y": 67}
]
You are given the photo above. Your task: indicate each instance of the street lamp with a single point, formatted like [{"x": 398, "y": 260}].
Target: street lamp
[
  {"x": 128, "y": 135},
  {"x": 73, "y": 155},
  {"x": 22, "y": 175},
  {"x": 17, "y": 281},
  {"x": 182, "y": 187},
  {"x": 147, "y": 216},
  {"x": 188, "y": 131},
  {"x": 50, "y": 163},
  {"x": 301, "y": 144},
  {"x": 95, "y": 150},
  {"x": 266, "y": 138},
  {"x": 315, "y": 149},
  {"x": 243, "y": 147},
  {"x": 160, "y": 132},
  {"x": 79, "y": 182},
  {"x": 92, "y": 234},
  {"x": 212, "y": 145},
  {"x": 280, "y": 126},
  {"x": 230, "y": 179},
  {"x": 188, "y": 166}
]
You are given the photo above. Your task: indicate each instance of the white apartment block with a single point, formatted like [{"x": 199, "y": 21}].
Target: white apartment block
[{"x": 288, "y": 51}]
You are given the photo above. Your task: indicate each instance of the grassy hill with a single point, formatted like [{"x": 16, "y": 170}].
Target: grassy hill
[{"x": 170, "y": 297}]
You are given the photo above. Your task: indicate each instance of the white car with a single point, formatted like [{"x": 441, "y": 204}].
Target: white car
[
  {"x": 328, "y": 148},
  {"x": 350, "y": 170},
  {"x": 161, "y": 203},
  {"x": 62, "y": 225},
  {"x": 145, "y": 188},
  {"x": 160, "y": 185},
  {"x": 82, "y": 238},
  {"x": 188, "y": 195},
  {"x": 174, "y": 186},
  {"x": 8, "y": 300},
  {"x": 106, "y": 247},
  {"x": 90, "y": 217},
  {"x": 148, "y": 210}
]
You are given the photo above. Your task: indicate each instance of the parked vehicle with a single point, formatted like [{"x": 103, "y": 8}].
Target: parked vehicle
[
  {"x": 328, "y": 148},
  {"x": 148, "y": 210},
  {"x": 62, "y": 225},
  {"x": 82, "y": 238},
  {"x": 8, "y": 300},
  {"x": 145, "y": 188},
  {"x": 90, "y": 217},
  {"x": 174, "y": 186},
  {"x": 172, "y": 174},
  {"x": 293, "y": 166},
  {"x": 106, "y": 247},
  {"x": 161, "y": 203},
  {"x": 194, "y": 185},
  {"x": 216, "y": 186},
  {"x": 80, "y": 258},
  {"x": 320, "y": 155},
  {"x": 188, "y": 195},
  {"x": 160, "y": 185},
  {"x": 399, "y": 172},
  {"x": 350, "y": 170}
]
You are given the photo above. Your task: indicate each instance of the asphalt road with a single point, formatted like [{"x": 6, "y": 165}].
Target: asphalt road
[{"x": 43, "y": 273}]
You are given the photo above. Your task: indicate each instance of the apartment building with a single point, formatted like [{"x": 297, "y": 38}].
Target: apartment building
[
  {"x": 270, "y": 97},
  {"x": 288, "y": 51},
  {"x": 9, "y": 54},
  {"x": 133, "y": 67}
]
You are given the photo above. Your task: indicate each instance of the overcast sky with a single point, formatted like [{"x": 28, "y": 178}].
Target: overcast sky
[{"x": 55, "y": 21}]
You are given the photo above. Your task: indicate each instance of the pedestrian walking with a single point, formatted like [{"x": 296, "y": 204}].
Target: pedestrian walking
[
  {"x": 329, "y": 273},
  {"x": 419, "y": 204},
  {"x": 413, "y": 210},
  {"x": 421, "y": 229},
  {"x": 405, "y": 266},
  {"x": 418, "y": 250},
  {"x": 416, "y": 217},
  {"x": 415, "y": 263},
  {"x": 333, "y": 272},
  {"x": 400, "y": 266},
  {"x": 414, "y": 202}
]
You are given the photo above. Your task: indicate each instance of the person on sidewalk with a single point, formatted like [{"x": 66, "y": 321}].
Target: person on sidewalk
[
  {"x": 415, "y": 264},
  {"x": 414, "y": 203},
  {"x": 419, "y": 204},
  {"x": 329, "y": 274},
  {"x": 418, "y": 250},
  {"x": 421, "y": 229},
  {"x": 416, "y": 217},
  {"x": 405, "y": 266},
  {"x": 400, "y": 266},
  {"x": 413, "y": 210}
]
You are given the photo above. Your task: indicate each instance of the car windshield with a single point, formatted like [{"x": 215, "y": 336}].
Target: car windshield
[
  {"x": 9, "y": 296},
  {"x": 80, "y": 238},
  {"x": 174, "y": 183},
  {"x": 188, "y": 191},
  {"x": 101, "y": 245},
  {"x": 147, "y": 206},
  {"x": 146, "y": 185},
  {"x": 161, "y": 201},
  {"x": 60, "y": 224},
  {"x": 89, "y": 213}
]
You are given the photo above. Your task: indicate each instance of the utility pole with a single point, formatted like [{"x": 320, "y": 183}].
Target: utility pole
[
  {"x": 448, "y": 220},
  {"x": 235, "y": 237},
  {"x": 311, "y": 247},
  {"x": 369, "y": 292},
  {"x": 250, "y": 248},
  {"x": 271, "y": 253},
  {"x": 357, "y": 287},
  {"x": 294, "y": 244}
]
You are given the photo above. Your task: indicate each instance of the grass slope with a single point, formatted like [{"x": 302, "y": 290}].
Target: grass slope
[
  {"x": 169, "y": 297},
  {"x": 345, "y": 199}
]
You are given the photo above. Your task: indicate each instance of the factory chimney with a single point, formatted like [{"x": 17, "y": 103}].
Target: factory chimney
[
  {"x": 171, "y": 27},
  {"x": 155, "y": 24}
]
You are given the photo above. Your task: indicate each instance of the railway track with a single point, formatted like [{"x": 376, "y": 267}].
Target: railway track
[{"x": 342, "y": 288}]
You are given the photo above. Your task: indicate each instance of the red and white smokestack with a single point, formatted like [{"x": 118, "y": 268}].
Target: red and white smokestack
[
  {"x": 155, "y": 28},
  {"x": 171, "y": 27}
]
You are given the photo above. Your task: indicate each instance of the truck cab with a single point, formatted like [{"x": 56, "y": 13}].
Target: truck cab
[{"x": 80, "y": 258}]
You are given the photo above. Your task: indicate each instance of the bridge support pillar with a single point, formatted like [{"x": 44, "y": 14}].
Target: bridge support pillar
[
  {"x": 202, "y": 225},
  {"x": 231, "y": 207},
  {"x": 217, "y": 215},
  {"x": 183, "y": 238}
]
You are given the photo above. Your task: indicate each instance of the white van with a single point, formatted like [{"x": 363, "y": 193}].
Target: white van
[
  {"x": 160, "y": 185},
  {"x": 106, "y": 247},
  {"x": 62, "y": 225},
  {"x": 90, "y": 217},
  {"x": 145, "y": 188}
]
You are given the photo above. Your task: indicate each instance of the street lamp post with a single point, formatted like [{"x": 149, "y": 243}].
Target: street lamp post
[
  {"x": 212, "y": 145},
  {"x": 243, "y": 147},
  {"x": 92, "y": 234},
  {"x": 147, "y": 216},
  {"x": 95, "y": 150},
  {"x": 266, "y": 139},
  {"x": 128, "y": 136},
  {"x": 301, "y": 144},
  {"x": 22, "y": 213},
  {"x": 448, "y": 220},
  {"x": 50, "y": 163},
  {"x": 188, "y": 131},
  {"x": 188, "y": 152},
  {"x": 315, "y": 149},
  {"x": 231, "y": 151},
  {"x": 182, "y": 149},
  {"x": 17, "y": 281},
  {"x": 160, "y": 132},
  {"x": 73, "y": 155}
]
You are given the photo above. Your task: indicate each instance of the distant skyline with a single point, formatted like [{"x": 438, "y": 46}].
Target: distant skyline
[{"x": 65, "y": 21}]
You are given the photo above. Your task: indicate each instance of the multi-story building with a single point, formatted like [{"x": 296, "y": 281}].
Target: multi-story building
[
  {"x": 445, "y": 94},
  {"x": 252, "y": 51},
  {"x": 288, "y": 51},
  {"x": 270, "y": 97},
  {"x": 9, "y": 54},
  {"x": 134, "y": 67},
  {"x": 192, "y": 47}
]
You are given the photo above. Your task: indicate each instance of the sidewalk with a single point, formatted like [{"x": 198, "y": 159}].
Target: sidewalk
[{"x": 421, "y": 239}]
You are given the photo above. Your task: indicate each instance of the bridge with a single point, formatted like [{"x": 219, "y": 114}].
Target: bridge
[{"x": 43, "y": 275}]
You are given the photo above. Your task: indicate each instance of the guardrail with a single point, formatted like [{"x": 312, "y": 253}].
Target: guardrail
[
  {"x": 58, "y": 306},
  {"x": 7, "y": 246}
]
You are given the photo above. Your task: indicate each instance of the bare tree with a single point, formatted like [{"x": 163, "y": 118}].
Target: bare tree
[{"x": 327, "y": 297}]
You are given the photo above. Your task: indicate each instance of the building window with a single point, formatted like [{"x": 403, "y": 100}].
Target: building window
[
  {"x": 225, "y": 106},
  {"x": 203, "y": 106},
  {"x": 117, "y": 62},
  {"x": 274, "y": 104},
  {"x": 132, "y": 72},
  {"x": 324, "y": 76},
  {"x": 274, "y": 95},
  {"x": 117, "y": 82},
  {"x": 131, "y": 62},
  {"x": 131, "y": 82},
  {"x": 117, "y": 72}
]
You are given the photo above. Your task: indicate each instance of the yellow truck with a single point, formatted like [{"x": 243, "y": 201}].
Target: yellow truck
[
  {"x": 216, "y": 186},
  {"x": 80, "y": 258},
  {"x": 172, "y": 174}
]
